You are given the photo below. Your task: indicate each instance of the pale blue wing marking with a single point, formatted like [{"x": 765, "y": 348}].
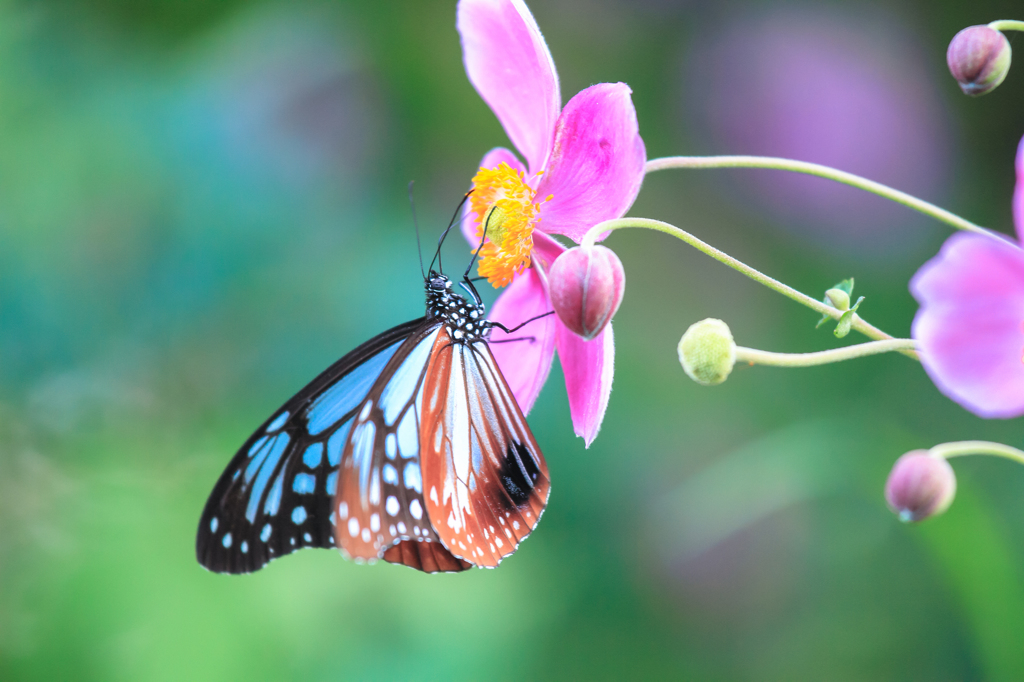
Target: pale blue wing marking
[
  {"x": 478, "y": 455},
  {"x": 270, "y": 457},
  {"x": 332, "y": 482},
  {"x": 304, "y": 484},
  {"x": 336, "y": 442},
  {"x": 390, "y": 474},
  {"x": 362, "y": 453},
  {"x": 274, "y": 498},
  {"x": 257, "y": 445},
  {"x": 298, "y": 515},
  {"x": 408, "y": 436},
  {"x": 313, "y": 455},
  {"x": 279, "y": 422},
  {"x": 412, "y": 478},
  {"x": 397, "y": 394},
  {"x": 342, "y": 397},
  {"x": 257, "y": 461}
]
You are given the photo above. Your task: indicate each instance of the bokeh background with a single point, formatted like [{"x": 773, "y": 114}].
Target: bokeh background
[{"x": 204, "y": 204}]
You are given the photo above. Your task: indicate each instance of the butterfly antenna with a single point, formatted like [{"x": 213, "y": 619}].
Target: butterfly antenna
[
  {"x": 444, "y": 235},
  {"x": 467, "y": 282},
  {"x": 483, "y": 238},
  {"x": 416, "y": 224}
]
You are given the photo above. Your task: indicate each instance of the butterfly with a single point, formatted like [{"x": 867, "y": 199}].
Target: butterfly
[{"x": 411, "y": 448}]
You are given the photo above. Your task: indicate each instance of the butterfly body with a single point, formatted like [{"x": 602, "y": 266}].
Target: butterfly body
[{"x": 411, "y": 448}]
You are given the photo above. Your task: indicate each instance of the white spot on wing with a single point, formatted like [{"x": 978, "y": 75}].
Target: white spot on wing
[
  {"x": 415, "y": 509},
  {"x": 353, "y": 526},
  {"x": 412, "y": 477}
]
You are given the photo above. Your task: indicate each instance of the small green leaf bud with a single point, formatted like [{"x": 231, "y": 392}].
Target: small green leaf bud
[
  {"x": 838, "y": 299},
  {"x": 846, "y": 321},
  {"x": 920, "y": 486},
  {"x": 979, "y": 59},
  {"x": 707, "y": 352}
]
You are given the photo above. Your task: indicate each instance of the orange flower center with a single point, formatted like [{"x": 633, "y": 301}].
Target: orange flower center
[{"x": 503, "y": 204}]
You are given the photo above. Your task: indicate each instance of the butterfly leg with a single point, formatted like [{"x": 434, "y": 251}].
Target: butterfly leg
[{"x": 505, "y": 329}]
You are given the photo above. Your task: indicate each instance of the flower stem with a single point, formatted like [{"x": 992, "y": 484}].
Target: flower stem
[
  {"x": 860, "y": 350},
  {"x": 1007, "y": 25},
  {"x": 858, "y": 323},
  {"x": 977, "y": 447},
  {"x": 878, "y": 188}
]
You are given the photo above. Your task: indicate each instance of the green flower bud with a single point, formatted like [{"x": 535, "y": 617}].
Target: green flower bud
[
  {"x": 979, "y": 59},
  {"x": 707, "y": 352},
  {"x": 838, "y": 298}
]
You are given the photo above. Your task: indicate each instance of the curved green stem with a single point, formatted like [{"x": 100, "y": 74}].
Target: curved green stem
[
  {"x": 977, "y": 447},
  {"x": 820, "y": 171},
  {"x": 1007, "y": 25},
  {"x": 858, "y": 323},
  {"x": 860, "y": 350}
]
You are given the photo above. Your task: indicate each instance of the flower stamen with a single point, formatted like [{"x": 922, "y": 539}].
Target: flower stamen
[{"x": 503, "y": 204}]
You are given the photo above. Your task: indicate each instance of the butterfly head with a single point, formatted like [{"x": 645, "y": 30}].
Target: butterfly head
[{"x": 463, "y": 318}]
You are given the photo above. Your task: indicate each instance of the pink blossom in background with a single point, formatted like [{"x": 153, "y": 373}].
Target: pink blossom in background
[
  {"x": 970, "y": 327},
  {"x": 584, "y": 164},
  {"x": 829, "y": 87}
]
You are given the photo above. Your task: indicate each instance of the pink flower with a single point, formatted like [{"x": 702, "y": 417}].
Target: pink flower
[
  {"x": 970, "y": 327},
  {"x": 585, "y": 162}
]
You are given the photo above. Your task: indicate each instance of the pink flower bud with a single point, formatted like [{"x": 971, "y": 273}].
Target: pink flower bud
[
  {"x": 586, "y": 287},
  {"x": 920, "y": 486},
  {"x": 979, "y": 59}
]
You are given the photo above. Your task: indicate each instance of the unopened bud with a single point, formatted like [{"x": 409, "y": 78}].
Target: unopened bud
[
  {"x": 979, "y": 59},
  {"x": 920, "y": 486},
  {"x": 839, "y": 299},
  {"x": 707, "y": 351},
  {"x": 586, "y": 286}
]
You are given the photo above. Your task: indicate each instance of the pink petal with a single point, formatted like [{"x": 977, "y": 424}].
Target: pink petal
[
  {"x": 969, "y": 326},
  {"x": 545, "y": 250},
  {"x": 588, "y": 367},
  {"x": 492, "y": 159},
  {"x": 525, "y": 364},
  {"x": 597, "y": 164},
  {"x": 1018, "y": 193},
  {"x": 509, "y": 64}
]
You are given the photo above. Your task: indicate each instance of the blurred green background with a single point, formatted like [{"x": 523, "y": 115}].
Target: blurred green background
[{"x": 204, "y": 204}]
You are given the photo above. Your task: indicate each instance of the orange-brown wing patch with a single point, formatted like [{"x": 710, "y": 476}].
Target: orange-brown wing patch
[
  {"x": 485, "y": 482},
  {"x": 429, "y": 557}
]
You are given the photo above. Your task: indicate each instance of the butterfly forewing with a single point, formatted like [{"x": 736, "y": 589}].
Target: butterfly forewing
[
  {"x": 484, "y": 478},
  {"x": 276, "y": 495},
  {"x": 379, "y": 501}
]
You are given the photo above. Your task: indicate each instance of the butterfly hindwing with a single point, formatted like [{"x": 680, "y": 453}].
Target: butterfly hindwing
[
  {"x": 485, "y": 481},
  {"x": 276, "y": 494}
]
